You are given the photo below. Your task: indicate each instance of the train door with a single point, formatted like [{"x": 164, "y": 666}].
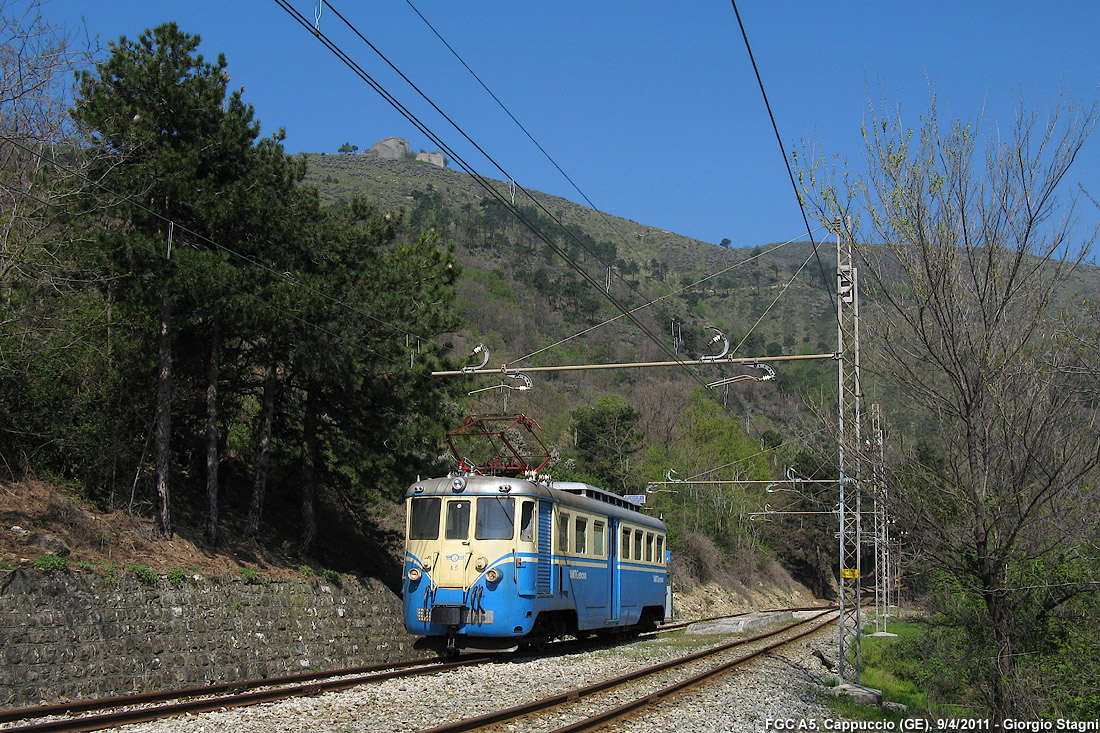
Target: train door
[
  {"x": 454, "y": 550},
  {"x": 526, "y": 542},
  {"x": 613, "y": 569}
]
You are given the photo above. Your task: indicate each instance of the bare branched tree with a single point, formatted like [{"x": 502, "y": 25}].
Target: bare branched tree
[
  {"x": 966, "y": 254},
  {"x": 37, "y": 61}
]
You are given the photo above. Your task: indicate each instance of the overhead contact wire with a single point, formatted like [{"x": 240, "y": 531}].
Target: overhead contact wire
[
  {"x": 783, "y": 152},
  {"x": 503, "y": 172},
  {"x": 359, "y": 71}
]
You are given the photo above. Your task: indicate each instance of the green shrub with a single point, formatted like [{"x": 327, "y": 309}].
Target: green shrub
[
  {"x": 176, "y": 576},
  {"x": 252, "y": 576},
  {"x": 144, "y": 575},
  {"x": 333, "y": 577},
  {"x": 306, "y": 571},
  {"x": 51, "y": 563}
]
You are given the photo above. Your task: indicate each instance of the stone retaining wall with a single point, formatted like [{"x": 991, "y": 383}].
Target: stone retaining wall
[{"x": 81, "y": 635}]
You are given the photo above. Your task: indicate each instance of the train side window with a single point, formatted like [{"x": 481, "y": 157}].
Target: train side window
[
  {"x": 563, "y": 532},
  {"x": 527, "y": 522},
  {"x": 625, "y": 550},
  {"x": 660, "y": 549},
  {"x": 649, "y": 547},
  {"x": 580, "y": 534},
  {"x": 637, "y": 544},
  {"x": 496, "y": 516},
  {"x": 599, "y": 548},
  {"x": 458, "y": 520},
  {"x": 424, "y": 518}
]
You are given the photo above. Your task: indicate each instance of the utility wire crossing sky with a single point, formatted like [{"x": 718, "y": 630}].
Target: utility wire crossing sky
[{"x": 651, "y": 109}]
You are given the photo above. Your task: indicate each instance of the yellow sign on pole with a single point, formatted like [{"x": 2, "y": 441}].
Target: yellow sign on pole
[{"x": 850, "y": 573}]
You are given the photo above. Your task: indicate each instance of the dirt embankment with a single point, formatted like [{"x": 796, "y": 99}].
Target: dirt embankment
[{"x": 36, "y": 519}]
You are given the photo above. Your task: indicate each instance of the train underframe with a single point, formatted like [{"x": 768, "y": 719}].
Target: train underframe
[{"x": 549, "y": 625}]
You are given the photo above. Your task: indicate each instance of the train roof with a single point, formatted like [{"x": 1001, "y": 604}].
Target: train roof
[{"x": 573, "y": 493}]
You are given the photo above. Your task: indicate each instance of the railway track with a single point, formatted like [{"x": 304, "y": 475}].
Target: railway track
[
  {"x": 99, "y": 714},
  {"x": 597, "y": 705},
  {"x": 110, "y": 712}
]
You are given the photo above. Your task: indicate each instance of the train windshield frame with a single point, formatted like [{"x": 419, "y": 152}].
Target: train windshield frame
[
  {"x": 424, "y": 518},
  {"x": 458, "y": 519},
  {"x": 496, "y": 518}
]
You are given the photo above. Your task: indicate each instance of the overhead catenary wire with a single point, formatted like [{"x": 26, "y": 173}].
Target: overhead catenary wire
[
  {"x": 513, "y": 186},
  {"x": 518, "y": 213},
  {"x": 685, "y": 288},
  {"x": 155, "y": 252},
  {"x": 783, "y": 152},
  {"x": 174, "y": 225},
  {"x": 577, "y": 188},
  {"x": 591, "y": 204}
]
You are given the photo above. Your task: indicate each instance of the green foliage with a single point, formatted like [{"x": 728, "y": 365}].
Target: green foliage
[
  {"x": 914, "y": 670},
  {"x": 51, "y": 563},
  {"x": 608, "y": 433},
  {"x": 252, "y": 576},
  {"x": 333, "y": 577},
  {"x": 305, "y": 571},
  {"x": 176, "y": 576},
  {"x": 144, "y": 575}
]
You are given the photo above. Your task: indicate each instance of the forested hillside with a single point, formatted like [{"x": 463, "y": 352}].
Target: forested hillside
[{"x": 239, "y": 343}]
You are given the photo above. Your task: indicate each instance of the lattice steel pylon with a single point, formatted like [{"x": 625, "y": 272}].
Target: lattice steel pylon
[{"x": 849, "y": 452}]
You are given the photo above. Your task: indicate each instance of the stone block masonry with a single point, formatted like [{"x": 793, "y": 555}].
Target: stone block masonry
[{"x": 81, "y": 635}]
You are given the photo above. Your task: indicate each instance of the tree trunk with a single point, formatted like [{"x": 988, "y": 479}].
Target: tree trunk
[
  {"x": 309, "y": 467},
  {"x": 263, "y": 449},
  {"x": 212, "y": 433},
  {"x": 163, "y": 428}
]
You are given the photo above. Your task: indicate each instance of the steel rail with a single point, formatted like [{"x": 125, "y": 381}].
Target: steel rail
[
  {"x": 234, "y": 694},
  {"x": 207, "y": 704},
  {"x": 596, "y": 721},
  {"x": 142, "y": 698},
  {"x": 519, "y": 711}
]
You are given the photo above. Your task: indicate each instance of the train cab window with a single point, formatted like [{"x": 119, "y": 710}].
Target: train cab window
[
  {"x": 527, "y": 522},
  {"x": 625, "y": 553},
  {"x": 660, "y": 550},
  {"x": 496, "y": 516},
  {"x": 637, "y": 544},
  {"x": 649, "y": 547},
  {"x": 458, "y": 520},
  {"x": 580, "y": 535},
  {"x": 563, "y": 532},
  {"x": 598, "y": 545},
  {"x": 424, "y": 518}
]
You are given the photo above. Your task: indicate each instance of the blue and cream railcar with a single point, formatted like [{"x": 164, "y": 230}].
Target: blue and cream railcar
[{"x": 494, "y": 563}]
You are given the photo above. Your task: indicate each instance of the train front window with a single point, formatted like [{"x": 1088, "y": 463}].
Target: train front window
[
  {"x": 527, "y": 522},
  {"x": 424, "y": 519},
  {"x": 458, "y": 520},
  {"x": 495, "y": 518}
]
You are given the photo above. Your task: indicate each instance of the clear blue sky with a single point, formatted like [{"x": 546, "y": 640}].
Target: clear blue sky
[{"x": 652, "y": 108}]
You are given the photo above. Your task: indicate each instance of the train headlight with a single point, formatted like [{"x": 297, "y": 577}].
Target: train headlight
[
  {"x": 414, "y": 574},
  {"x": 458, "y": 484},
  {"x": 493, "y": 575},
  {"x": 480, "y": 564}
]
